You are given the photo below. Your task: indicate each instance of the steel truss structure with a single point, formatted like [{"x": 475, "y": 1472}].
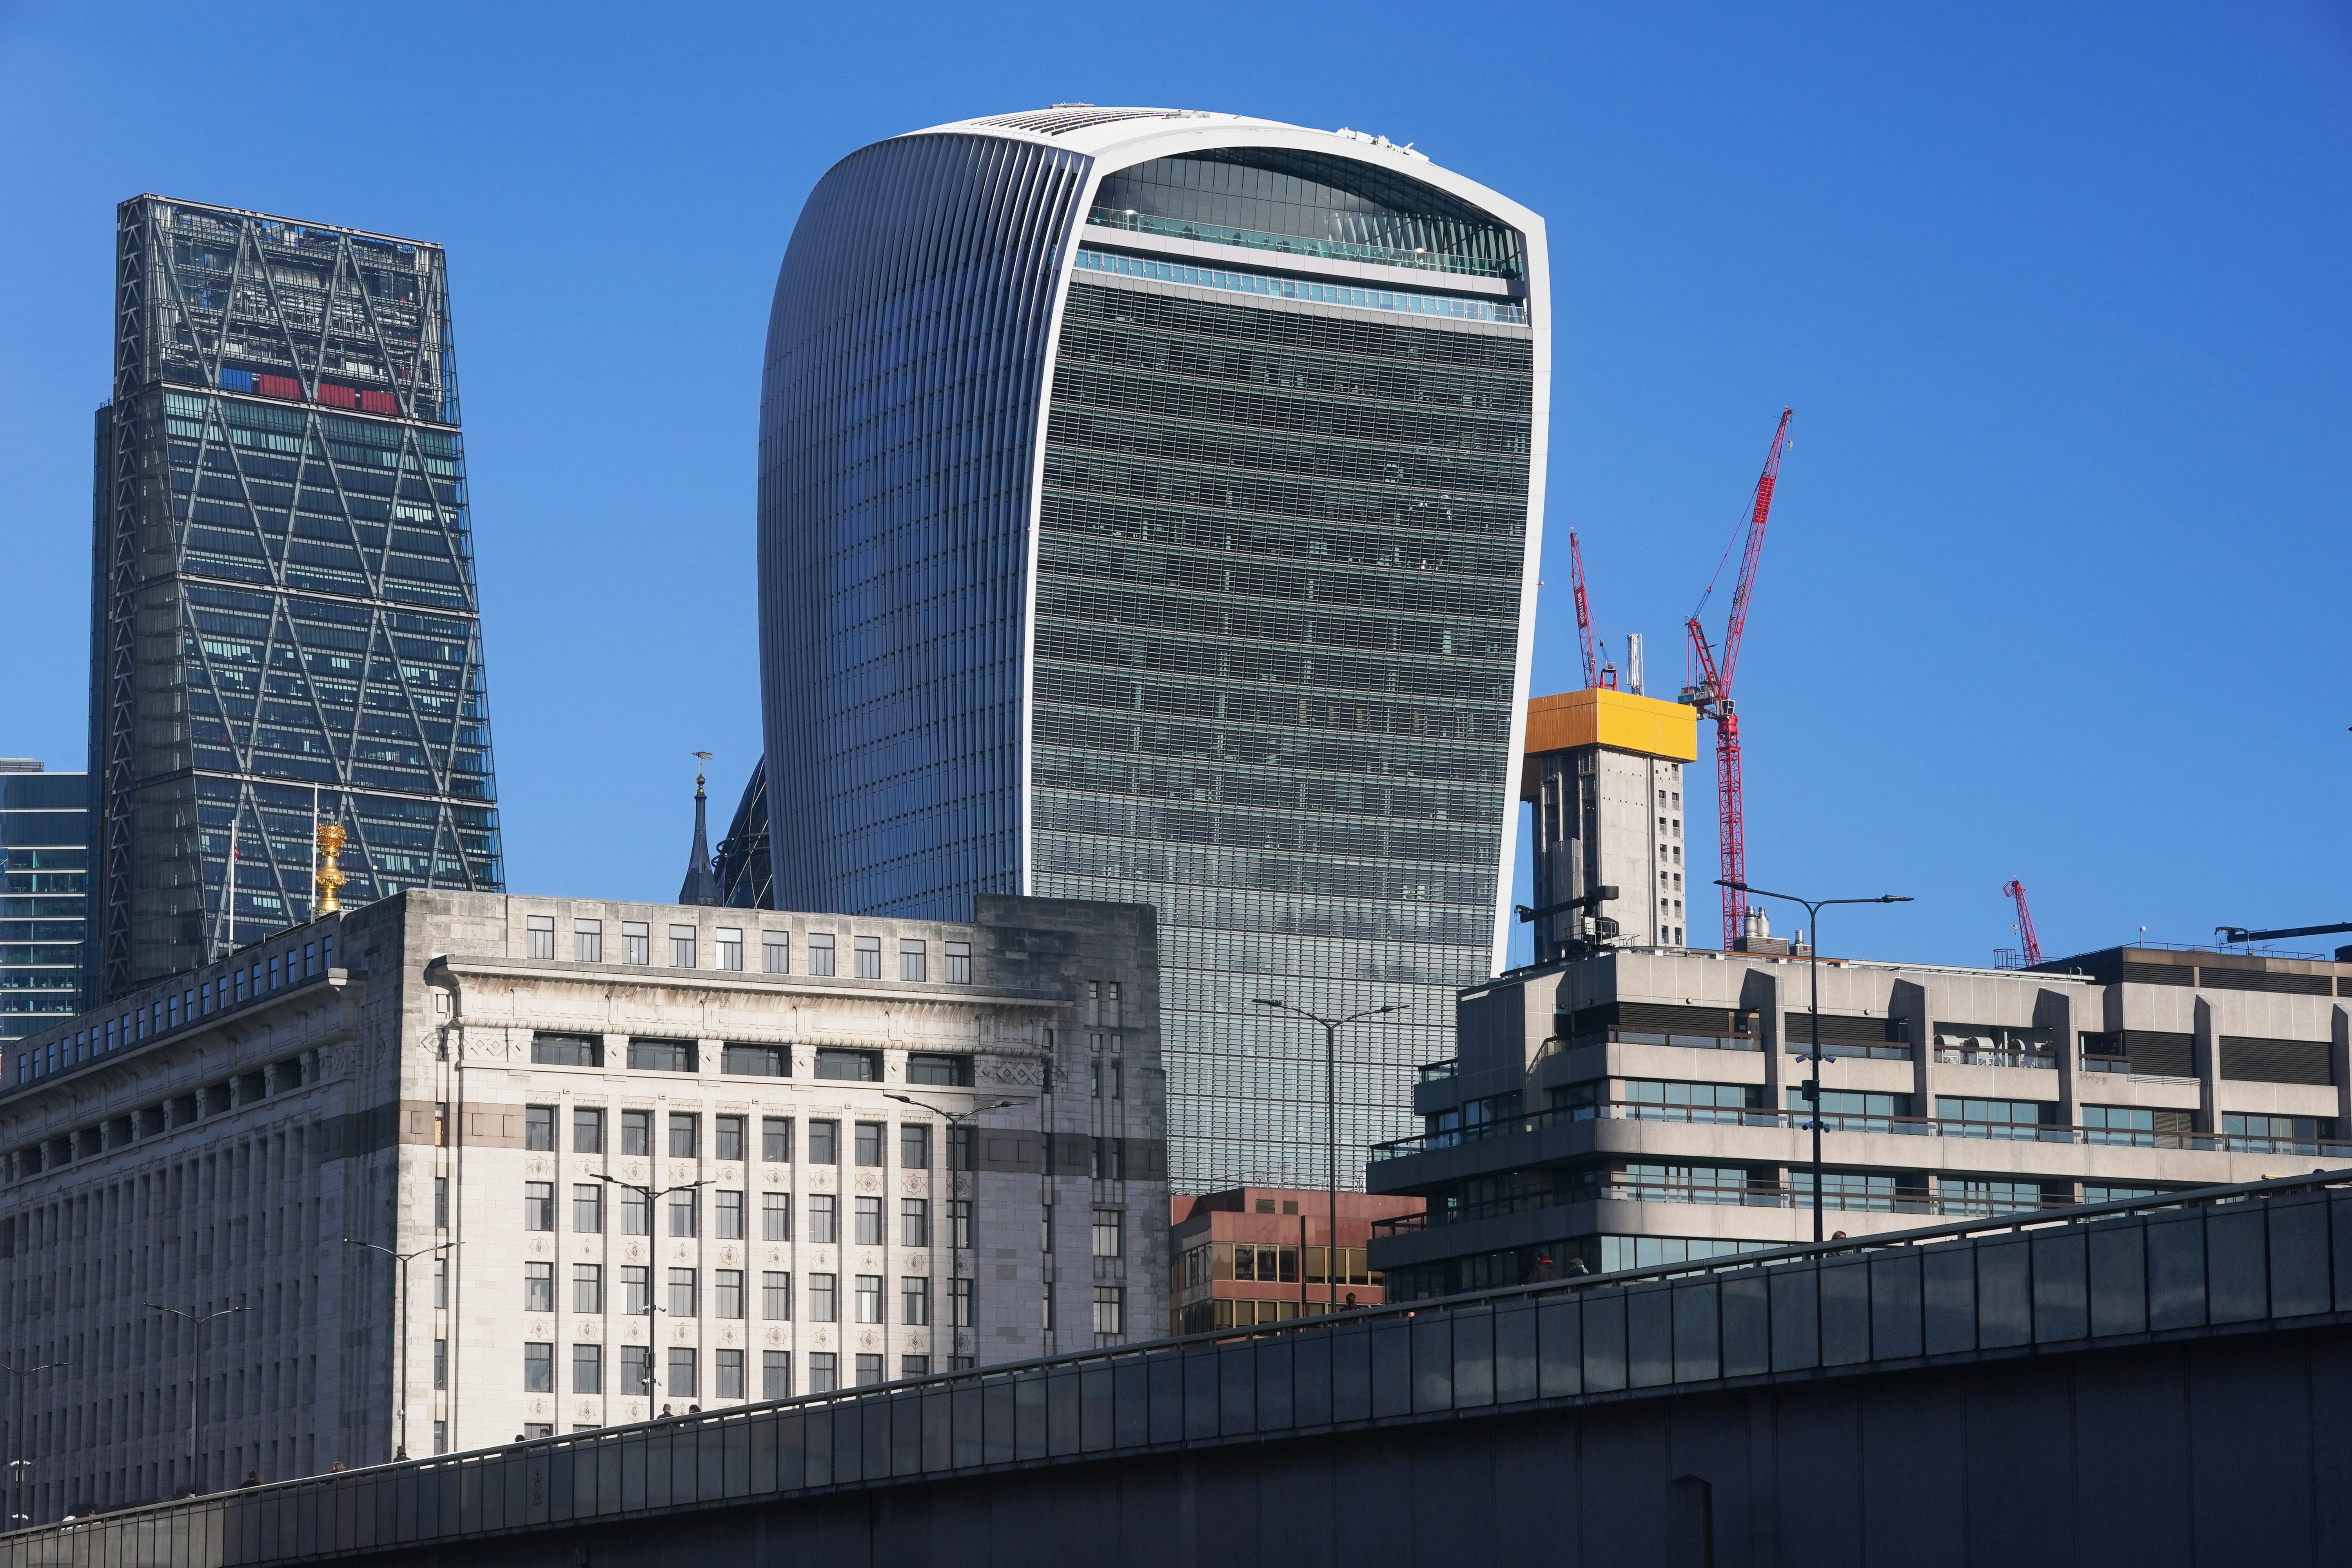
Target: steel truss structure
[{"x": 283, "y": 615}]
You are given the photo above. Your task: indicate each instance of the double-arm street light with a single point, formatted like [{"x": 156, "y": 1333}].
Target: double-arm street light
[
  {"x": 1812, "y": 1090},
  {"x": 404, "y": 1259},
  {"x": 196, "y": 1387},
  {"x": 1331, "y": 1137},
  {"x": 16, "y": 1466},
  {"x": 954, "y": 1119},
  {"x": 653, "y": 1196}
]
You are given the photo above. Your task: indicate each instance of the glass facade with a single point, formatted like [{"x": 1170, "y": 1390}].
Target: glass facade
[
  {"x": 1264, "y": 673},
  {"x": 44, "y": 896},
  {"x": 284, "y": 619}
]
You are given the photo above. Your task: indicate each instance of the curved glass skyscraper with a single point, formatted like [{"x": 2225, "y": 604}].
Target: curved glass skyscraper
[{"x": 1148, "y": 504}]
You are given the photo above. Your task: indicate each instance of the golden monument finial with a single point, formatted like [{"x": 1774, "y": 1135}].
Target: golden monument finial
[{"x": 331, "y": 877}]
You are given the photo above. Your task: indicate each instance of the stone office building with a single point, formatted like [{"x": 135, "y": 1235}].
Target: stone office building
[{"x": 642, "y": 1155}]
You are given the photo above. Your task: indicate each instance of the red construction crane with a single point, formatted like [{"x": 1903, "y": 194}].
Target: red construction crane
[
  {"x": 1710, "y": 691},
  {"x": 1593, "y": 666},
  {"x": 2016, "y": 890}
]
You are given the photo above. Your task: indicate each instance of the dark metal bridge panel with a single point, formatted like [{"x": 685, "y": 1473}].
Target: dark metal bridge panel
[{"x": 1970, "y": 1392}]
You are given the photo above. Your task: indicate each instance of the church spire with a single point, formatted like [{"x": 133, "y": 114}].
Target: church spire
[{"x": 699, "y": 887}]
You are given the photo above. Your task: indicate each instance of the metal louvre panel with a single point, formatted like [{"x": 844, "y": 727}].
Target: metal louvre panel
[
  {"x": 1652, "y": 1018},
  {"x": 2159, "y": 1053},
  {"x": 2131, "y": 971},
  {"x": 2279, "y": 981},
  {"x": 1797, "y": 1025},
  {"x": 2249, "y": 1058},
  {"x": 905, "y": 363}
]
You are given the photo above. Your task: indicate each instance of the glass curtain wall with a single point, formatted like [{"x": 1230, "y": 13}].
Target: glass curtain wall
[{"x": 44, "y": 896}]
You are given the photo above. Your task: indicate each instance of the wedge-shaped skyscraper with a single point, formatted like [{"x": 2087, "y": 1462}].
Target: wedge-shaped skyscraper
[
  {"x": 284, "y": 616},
  {"x": 1148, "y": 500}
]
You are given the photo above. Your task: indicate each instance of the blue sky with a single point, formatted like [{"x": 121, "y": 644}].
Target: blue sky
[{"x": 2055, "y": 583}]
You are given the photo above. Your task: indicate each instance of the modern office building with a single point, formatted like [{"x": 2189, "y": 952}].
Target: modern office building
[
  {"x": 1149, "y": 500},
  {"x": 1262, "y": 1255},
  {"x": 1644, "y": 1105},
  {"x": 44, "y": 895},
  {"x": 284, "y": 624},
  {"x": 676, "y": 1155},
  {"x": 1604, "y": 773}
]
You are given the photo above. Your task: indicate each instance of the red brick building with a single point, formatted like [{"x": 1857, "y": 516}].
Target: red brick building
[{"x": 1258, "y": 1255}]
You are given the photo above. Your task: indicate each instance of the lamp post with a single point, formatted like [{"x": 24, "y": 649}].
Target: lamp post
[
  {"x": 403, "y": 1258},
  {"x": 1813, "y": 908},
  {"x": 653, "y": 1197},
  {"x": 196, "y": 1387},
  {"x": 954, "y": 1120},
  {"x": 17, "y": 1466},
  {"x": 1331, "y": 1137}
]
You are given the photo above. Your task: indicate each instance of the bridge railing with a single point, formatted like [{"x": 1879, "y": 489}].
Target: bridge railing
[{"x": 2221, "y": 1259}]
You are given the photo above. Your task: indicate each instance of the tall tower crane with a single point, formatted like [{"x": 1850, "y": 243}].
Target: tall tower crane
[
  {"x": 1593, "y": 667},
  {"x": 2032, "y": 944},
  {"x": 1709, "y": 690}
]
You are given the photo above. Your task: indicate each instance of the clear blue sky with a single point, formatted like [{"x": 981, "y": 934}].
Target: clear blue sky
[{"x": 2056, "y": 585}]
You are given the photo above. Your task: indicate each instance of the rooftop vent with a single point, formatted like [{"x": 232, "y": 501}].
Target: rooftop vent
[{"x": 1064, "y": 117}]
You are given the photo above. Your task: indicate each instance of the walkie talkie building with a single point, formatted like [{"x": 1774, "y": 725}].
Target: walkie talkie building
[
  {"x": 1148, "y": 504},
  {"x": 283, "y": 614}
]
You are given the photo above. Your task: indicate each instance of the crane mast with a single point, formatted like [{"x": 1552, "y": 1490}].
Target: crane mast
[
  {"x": 1583, "y": 616},
  {"x": 2032, "y": 944},
  {"x": 1710, "y": 691}
]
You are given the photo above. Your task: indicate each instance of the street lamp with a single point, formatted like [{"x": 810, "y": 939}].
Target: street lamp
[
  {"x": 196, "y": 1387},
  {"x": 403, "y": 1258},
  {"x": 1812, "y": 1091},
  {"x": 653, "y": 1197},
  {"x": 1331, "y": 1137},
  {"x": 954, "y": 1118},
  {"x": 17, "y": 1466}
]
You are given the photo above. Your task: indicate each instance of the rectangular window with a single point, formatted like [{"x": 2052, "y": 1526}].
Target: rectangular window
[
  {"x": 727, "y": 1373},
  {"x": 823, "y": 1373},
  {"x": 539, "y": 1357},
  {"x": 637, "y": 1289},
  {"x": 914, "y": 1146},
  {"x": 952, "y": 1070},
  {"x": 538, "y": 935},
  {"x": 870, "y": 1298},
  {"x": 756, "y": 1061},
  {"x": 1989, "y": 1118},
  {"x": 775, "y": 1216},
  {"x": 567, "y": 1050},
  {"x": 440, "y": 1437},
  {"x": 663, "y": 1056},
  {"x": 730, "y": 947},
  {"x": 588, "y": 1289},
  {"x": 1045, "y": 1228},
  {"x": 776, "y": 1140},
  {"x": 776, "y": 1296},
  {"x": 682, "y": 1380},
  {"x": 963, "y": 1149},
  {"x": 869, "y": 957},
  {"x": 440, "y": 1202},
  {"x": 856, "y": 1067},
  {"x": 636, "y": 1132},
  {"x": 960, "y": 1222},
  {"x": 685, "y": 1214},
  {"x": 727, "y": 1137},
  {"x": 823, "y": 1307},
  {"x": 637, "y": 1211},
  {"x": 869, "y": 1370},
  {"x": 1110, "y": 1308},
  {"x": 636, "y": 1370},
  {"x": 729, "y": 1214},
  {"x": 912, "y": 964},
  {"x": 441, "y": 1282},
  {"x": 775, "y": 1375},
  {"x": 1110, "y": 1233},
  {"x": 539, "y": 1205},
  {"x": 776, "y": 951},
  {"x": 1110, "y": 1160},
  {"x": 825, "y": 1217},
  {"x": 685, "y": 1297},
  {"x": 868, "y": 1217},
  {"x": 587, "y": 1369},
  {"x": 441, "y": 1365},
  {"x": 682, "y": 947},
  {"x": 824, "y": 1143},
  {"x": 588, "y": 941},
  {"x": 1045, "y": 1307},
  {"x": 958, "y": 962},
  {"x": 868, "y": 1144},
  {"x": 914, "y": 1222},
  {"x": 588, "y": 1207},
  {"x": 820, "y": 953},
  {"x": 915, "y": 1299},
  {"x": 728, "y": 1285},
  {"x": 685, "y": 1135},
  {"x": 539, "y": 1287},
  {"x": 538, "y": 1127},
  {"x": 587, "y": 1131},
  {"x": 960, "y": 1304},
  {"x": 636, "y": 944}
]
